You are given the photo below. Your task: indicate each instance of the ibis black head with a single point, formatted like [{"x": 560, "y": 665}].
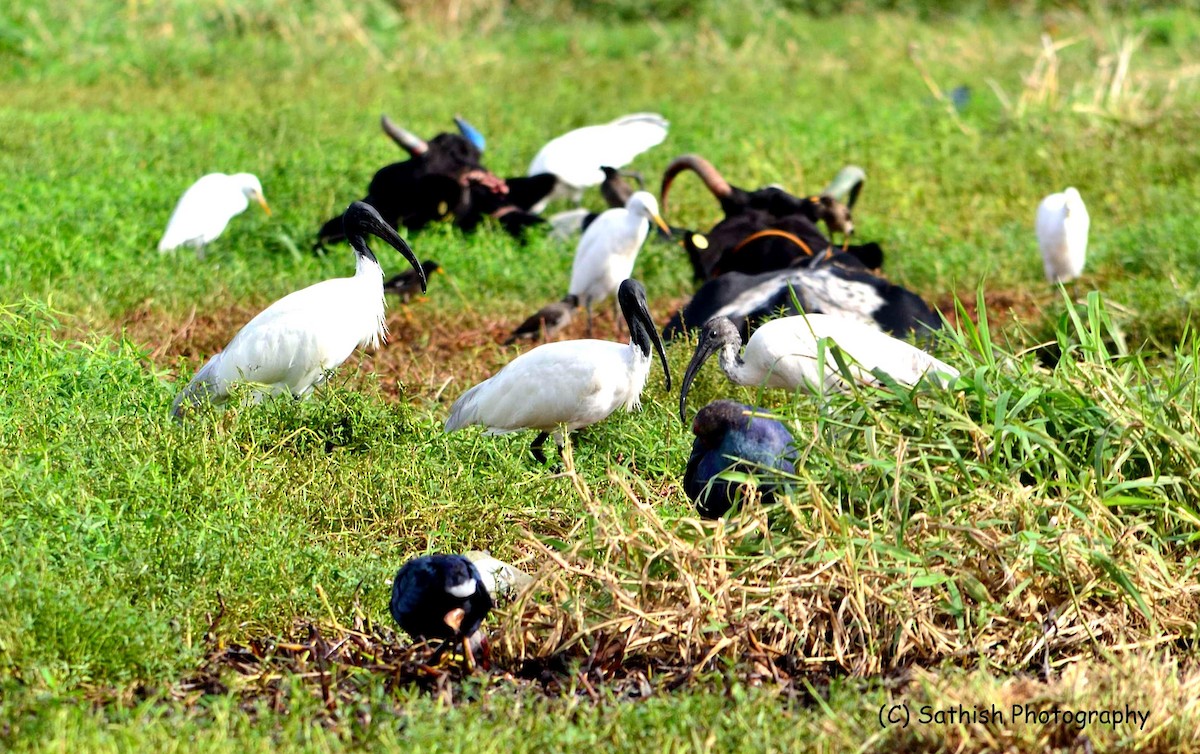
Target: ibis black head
[
  {"x": 361, "y": 219},
  {"x": 439, "y": 597},
  {"x": 717, "y": 333},
  {"x": 642, "y": 331}
]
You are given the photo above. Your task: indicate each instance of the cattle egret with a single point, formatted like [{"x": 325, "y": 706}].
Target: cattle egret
[
  {"x": 440, "y": 597},
  {"x": 409, "y": 282},
  {"x": 546, "y": 322},
  {"x": 1062, "y": 232},
  {"x": 733, "y": 437},
  {"x": 293, "y": 343},
  {"x": 786, "y": 353},
  {"x": 207, "y": 207},
  {"x": 560, "y": 387},
  {"x": 577, "y": 156},
  {"x": 608, "y": 249}
]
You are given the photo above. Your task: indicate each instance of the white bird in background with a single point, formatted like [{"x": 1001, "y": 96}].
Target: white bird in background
[
  {"x": 207, "y": 207},
  {"x": 784, "y": 353},
  {"x": 609, "y": 248},
  {"x": 293, "y": 343},
  {"x": 560, "y": 387},
  {"x": 1062, "y": 232},
  {"x": 577, "y": 156}
]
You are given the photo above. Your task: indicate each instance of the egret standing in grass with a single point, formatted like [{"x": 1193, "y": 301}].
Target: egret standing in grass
[
  {"x": 1062, "y": 232},
  {"x": 560, "y": 387},
  {"x": 577, "y": 157},
  {"x": 731, "y": 436},
  {"x": 207, "y": 207},
  {"x": 440, "y": 597},
  {"x": 293, "y": 343},
  {"x": 609, "y": 248},
  {"x": 786, "y": 353}
]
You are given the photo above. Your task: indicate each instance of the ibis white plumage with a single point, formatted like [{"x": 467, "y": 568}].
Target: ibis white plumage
[
  {"x": 206, "y": 208},
  {"x": 560, "y": 387},
  {"x": 292, "y": 344},
  {"x": 577, "y": 157},
  {"x": 1062, "y": 233},
  {"x": 609, "y": 247},
  {"x": 785, "y": 353}
]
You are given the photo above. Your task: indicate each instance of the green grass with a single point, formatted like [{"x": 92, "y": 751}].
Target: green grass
[{"x": 941, "y": 529}]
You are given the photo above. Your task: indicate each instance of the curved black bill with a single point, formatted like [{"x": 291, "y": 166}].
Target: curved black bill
[
  {"x": 704, "y": 349},
  {"x": 361, "y": 218},
  {"x": 642, "y": 330}
]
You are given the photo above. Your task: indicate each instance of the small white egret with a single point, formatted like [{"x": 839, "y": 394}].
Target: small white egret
[
  {"x": 207, "y": 207},
  {"x": 1062, "y": 232},
  {"x": 293, "y": 343},
  {"x": 784, "y": 353},
  {"x": 577, "y": 157},
  {"x": 560, "y": 387},
  {"x": 609, "y": 247}
]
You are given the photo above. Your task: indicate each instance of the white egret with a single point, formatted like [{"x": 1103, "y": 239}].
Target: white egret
[
  {"x": 207, "y": 207},
  {"x": 1062, "y": 232},
  {"x": 784, "y": 353},
  {"x": 560, "y": 387},
  {"x": 293, "y": 343},
  {"x": 577, "y": 157},
  {"x": 609, "y": 247}
]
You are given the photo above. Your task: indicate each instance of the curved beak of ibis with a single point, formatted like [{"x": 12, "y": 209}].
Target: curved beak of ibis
[
  {"x": 707, "y": 347},
  {"x": 454, "y": 619},
  {"x": 262, "y": 202},
  {"x": 648, "y": 322},
  {"x": 367, "y": 220}
]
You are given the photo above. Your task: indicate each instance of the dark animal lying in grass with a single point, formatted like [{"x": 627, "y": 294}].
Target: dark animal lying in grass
[
  {"x": 839, "y": 284},
  {"x": 768, "y": 229},
  {"x": 444, "y": 179}
]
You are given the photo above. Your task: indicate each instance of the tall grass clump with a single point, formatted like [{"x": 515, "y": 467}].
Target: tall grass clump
[{"x": 1025, "y": 517}]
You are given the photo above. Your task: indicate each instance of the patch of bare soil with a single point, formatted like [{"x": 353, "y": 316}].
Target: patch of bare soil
[
  {"x": 429, "y": 352},
  {"x": 332, "y": 662},
  {"x": 1004, "y": 307}
]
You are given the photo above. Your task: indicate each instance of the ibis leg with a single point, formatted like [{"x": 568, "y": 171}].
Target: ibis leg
[
  {"x": 536, "y": 447},
  {"x": 588, "y": 306}
]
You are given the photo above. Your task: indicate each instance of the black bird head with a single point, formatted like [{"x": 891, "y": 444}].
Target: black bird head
[
  {"x": 642, "y": 331},
  {"x": 361, "y": 219},
  {"x": 439, "y": 597},
  {"x": 717, "y": 333},
  {"x": 717, "y": 418}
]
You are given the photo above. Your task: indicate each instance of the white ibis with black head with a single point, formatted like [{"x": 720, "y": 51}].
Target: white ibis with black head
[
  {"x": 577, "y": 157},
  {"x": 206, "y": 208},
  {"x": 292, "y": 344},
  {"x": 609, "y": 247},
  {"x": 1062, "y": 233},
  {"x": 785, "y": 353},
  {"x": 441, "y": 597},
  {"x": 560, "y": 387}
]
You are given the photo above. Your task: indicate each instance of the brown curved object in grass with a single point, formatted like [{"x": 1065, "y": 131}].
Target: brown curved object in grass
[{"x": 717, "y": 184}]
